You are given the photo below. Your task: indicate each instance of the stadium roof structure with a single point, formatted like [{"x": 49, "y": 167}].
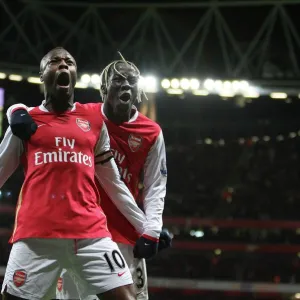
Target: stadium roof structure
[{"x": 251, "y": 39}]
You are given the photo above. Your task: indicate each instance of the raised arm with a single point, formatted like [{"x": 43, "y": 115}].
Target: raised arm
[{"x": 21, "y": 123}]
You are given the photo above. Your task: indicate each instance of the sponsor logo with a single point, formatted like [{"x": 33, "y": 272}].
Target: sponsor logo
[
  {"x": 83, "y": 124},
  {"x": 135, "y": 142},
  {"x": 19, "y": 278},
  {"x": 61, "y": 155},
  {"x": 121, "y": 274}
]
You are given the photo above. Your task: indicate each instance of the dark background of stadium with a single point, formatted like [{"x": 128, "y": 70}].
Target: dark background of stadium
[{"x": 233, "y": 195}]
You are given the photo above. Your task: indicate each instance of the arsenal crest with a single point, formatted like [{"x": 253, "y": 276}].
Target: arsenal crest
[
  {"x": 135, "y": 142},
  {"x": 59, "y": 284},
  {"x": 83, "y": 124},
  {"x": 19, "y": 278}
]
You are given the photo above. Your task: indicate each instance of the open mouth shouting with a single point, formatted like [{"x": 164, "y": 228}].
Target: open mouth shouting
[
  {"x": 63, "y": 80},
  {"x": 125, "y": 97}
]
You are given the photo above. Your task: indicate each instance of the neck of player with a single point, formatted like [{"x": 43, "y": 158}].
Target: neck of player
[
  {"x": 117, "y": 117},
  {"x": 59, "y": 103}
]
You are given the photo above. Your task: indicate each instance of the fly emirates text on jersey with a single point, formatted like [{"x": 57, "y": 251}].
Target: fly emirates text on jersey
[
  {"x": 119, "y": 158},
  {"x": 61, "y": 155}
]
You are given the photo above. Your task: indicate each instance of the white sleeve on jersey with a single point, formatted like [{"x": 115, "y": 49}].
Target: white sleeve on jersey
[
  {"x": 13, "y": 108},
  {"x": 155, "y": 180},
  {"x": 109, "y": 177},
  {"x": 11, "y": 149}
]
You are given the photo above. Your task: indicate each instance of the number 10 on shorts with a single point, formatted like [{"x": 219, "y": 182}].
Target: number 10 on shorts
[{"x": 115, "y": 259}]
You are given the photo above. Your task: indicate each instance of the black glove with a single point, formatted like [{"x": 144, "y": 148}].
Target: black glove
[
  {"x": 145, "y": 248},
  {"x": 165, "y": 240},
  {"x": 22, "y": 124}
]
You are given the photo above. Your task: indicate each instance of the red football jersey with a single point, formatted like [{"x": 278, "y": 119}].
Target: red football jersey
[
  {"x": 59, "y": 197},
  {"x": 131, "y": 143}
]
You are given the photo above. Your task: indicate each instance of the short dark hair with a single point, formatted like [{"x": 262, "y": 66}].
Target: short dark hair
[{"x": 42, "y": 64}]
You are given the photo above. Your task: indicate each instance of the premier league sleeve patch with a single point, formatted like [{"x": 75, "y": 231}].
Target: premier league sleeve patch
[{"x": 163, "y": 169}]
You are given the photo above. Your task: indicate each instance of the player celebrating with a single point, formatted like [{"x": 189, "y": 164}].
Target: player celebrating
[
  {"x": 58, "y": 221},
  {"x": 134, "y": 138},
  {"x": 139, "y": 150}
]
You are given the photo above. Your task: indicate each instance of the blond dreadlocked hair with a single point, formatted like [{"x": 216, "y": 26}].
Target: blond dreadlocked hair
[{"x": 112, "y": 66}]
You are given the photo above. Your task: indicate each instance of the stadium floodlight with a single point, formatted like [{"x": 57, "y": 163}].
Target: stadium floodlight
[
  {"x": 95, "y": 79},
  {"x": 297, "y": 296},
  {"x": 226, "y": 94},
  {"x": 199, "y": 233},
  {"x": 227, "y": 85},
  {"x": 194, "y": 84},
  {"x": 175, "y": 84},
  {"x": 266, "y": 138},
  {"x": 280, "y": 138},
  {"x": 208, "y": 84},
  {"x": 218, "y": 85},
  {"x": 200, "y": 93},
  {"x": 166, "y": 83},
  {"x": 244, "y": 85},
  {"x": 35, "y": 80},
  {"x": 174, "y": 91},
  {"x": 241, "y": 141},
  {"x": 236, "y": 85},
  {"x": 15, "y": 77},
  {"x": 251, "y": 93},
  {"x": 85, "y": 78},
  {"x": 2, "y": 75},
  {"x": 278, "y": 95},
  {"x": 184, "y": 83},
  {"x": 81, "y": 85},
  {"x": 208, "y": 141},
  {"x": 221, "y": 142},
  {"x": 255, "y": 139},
  {"x": 218, "y": 252},
  {"x": 292, "y": 135},
  {"x": 150, "y": 84}
]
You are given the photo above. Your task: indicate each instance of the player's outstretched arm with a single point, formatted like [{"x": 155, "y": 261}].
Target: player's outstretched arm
[
  {"x": 155, "y": 180},
  {"x": 109, "y": 177},
  {"x": 11, "y": 149}
]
